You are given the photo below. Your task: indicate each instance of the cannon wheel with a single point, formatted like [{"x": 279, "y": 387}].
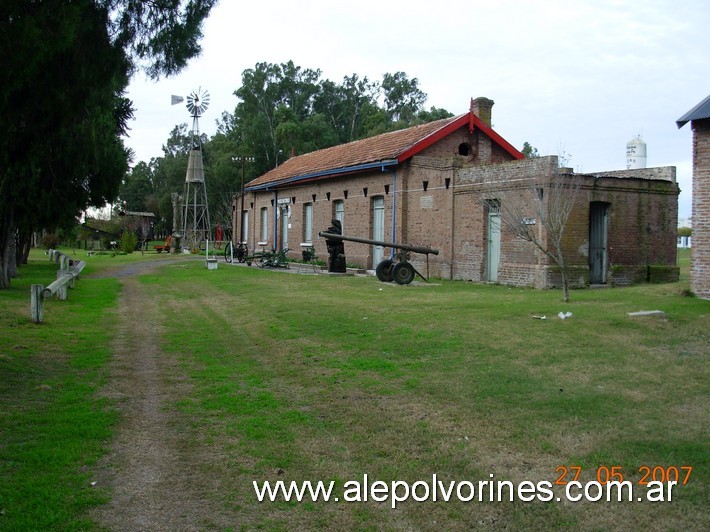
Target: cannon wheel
[
  {"x": 384, "y": 271},
  {"x": 241, "y": 253},
  {"x": 228, "y": 252},
  {"x": 403, "y": 273}
]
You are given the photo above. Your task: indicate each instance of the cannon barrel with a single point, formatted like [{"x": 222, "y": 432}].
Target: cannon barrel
[{"x": 406, "y": 247}]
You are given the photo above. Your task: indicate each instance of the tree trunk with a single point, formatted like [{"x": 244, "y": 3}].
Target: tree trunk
[
  {"x": 24, "y": 243},
  {"x": 565, "y": 285},
  {"x": 12, "y": 260},
  {"x": 6, "y": 236},
  {"x": 565, "y": 278}
]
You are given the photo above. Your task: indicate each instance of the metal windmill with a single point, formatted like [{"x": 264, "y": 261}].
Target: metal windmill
[{"x": 195, "y": 211}]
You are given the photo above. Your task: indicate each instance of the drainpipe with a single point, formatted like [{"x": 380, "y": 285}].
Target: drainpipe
[
  {"x": 394, "y": 209},
  {"x": 276, "y": 220}
]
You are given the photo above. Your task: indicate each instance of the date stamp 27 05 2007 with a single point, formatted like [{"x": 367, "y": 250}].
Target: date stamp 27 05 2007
[{"x": 605, "y": 474}]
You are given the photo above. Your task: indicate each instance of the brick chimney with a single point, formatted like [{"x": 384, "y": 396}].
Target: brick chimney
[{"x": 482, "y": 107}]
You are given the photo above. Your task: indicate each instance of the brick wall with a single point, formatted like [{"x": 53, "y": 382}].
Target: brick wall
[
  {"x": 323, "y": 195},
  {"x": 642, "y": 221},
  {"x": 700, "y": 251}
]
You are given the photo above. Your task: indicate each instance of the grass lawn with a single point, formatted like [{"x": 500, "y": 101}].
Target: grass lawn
[{"x": 297, "y": 377}]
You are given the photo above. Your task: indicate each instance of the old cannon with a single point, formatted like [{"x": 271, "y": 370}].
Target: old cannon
[{"x": 401, "y": 271}]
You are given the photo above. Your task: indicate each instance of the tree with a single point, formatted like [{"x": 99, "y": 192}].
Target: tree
[
  {"x": 64, "y": 110},
  {"x": 537, "y": 211},
  {"x": 286, "y": 108},
  {"x": 273, "y": 95},
  {"x": 347, "y": 106},
  {"x": 137, "y": 188},
  {"x": 432, "y": 114},
  {"x": 403, "y": 98},
  {"x": 529, "y": 151},
  {"x": 168, "y": 174},
  {"x": 223, "y": 175}
]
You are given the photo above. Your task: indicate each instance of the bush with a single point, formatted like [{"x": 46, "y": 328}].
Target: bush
[
  {"x": 129, "y": 240},
  {"x": 50, "y": 241}
]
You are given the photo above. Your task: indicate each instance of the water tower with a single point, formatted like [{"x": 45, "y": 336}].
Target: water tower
[
  {"x": 195, "y": 212},
  {"x": 635, "y": 153}
]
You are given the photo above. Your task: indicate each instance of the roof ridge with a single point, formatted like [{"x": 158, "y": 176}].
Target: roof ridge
[
  {"x": 386, "y": 133},
  {"x": 388, "y": 147}
]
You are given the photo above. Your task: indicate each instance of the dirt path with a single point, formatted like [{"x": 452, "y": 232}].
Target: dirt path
[{"x": 155, "y": 473}]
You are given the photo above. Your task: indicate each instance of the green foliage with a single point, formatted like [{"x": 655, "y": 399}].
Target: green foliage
[
  {"x": 137, "y": 188},
  {"x": 129, "y": 241},
  {"x": 529, "y": 151},
  {"x": 285, "y": 107},
  {"x": 685, "y": 231},
  {"x": 66, "y": 67},
  {"x": 403, "y": 98},
  {"x": 50, "y": 241},
  {"x": 53, "y": 424},
  {"x": 160, "y": 37}
]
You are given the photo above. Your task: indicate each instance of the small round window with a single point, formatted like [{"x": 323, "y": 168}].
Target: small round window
[{"x": 465, "y": 149}]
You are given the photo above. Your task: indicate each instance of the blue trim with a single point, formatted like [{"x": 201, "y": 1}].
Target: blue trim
[{"x": 323, "y": 173}]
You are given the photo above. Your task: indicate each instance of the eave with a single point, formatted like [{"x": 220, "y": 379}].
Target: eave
[{"x": 304, "y": 178}]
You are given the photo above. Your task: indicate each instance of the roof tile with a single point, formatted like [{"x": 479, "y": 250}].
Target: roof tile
[{"x": 384, "y": 147}]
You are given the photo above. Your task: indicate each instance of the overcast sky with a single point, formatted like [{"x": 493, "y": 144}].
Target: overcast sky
[{"x": 575, "y": 78}]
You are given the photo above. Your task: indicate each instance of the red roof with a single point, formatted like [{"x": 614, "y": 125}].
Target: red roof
[{"x": 386, "y": 149}]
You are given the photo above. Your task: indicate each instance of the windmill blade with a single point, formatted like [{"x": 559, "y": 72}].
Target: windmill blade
[
  {"x": 205, "y": 101},
  {"x": 198, "y": 101},
  {"x": 174, "y": 100}
]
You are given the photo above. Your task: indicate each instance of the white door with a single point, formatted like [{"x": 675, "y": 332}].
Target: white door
[
  {"x": 493, "y": 245},
  {"x": 378, "y": 228},
  {"x": 245, "y": 226},
  {"x": 339, "y": 213},
  {"x": 284, "y": 226}
]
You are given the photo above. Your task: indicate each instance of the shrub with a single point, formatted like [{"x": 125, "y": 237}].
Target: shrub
[
  {"x": 129, "y": 240},
  {"x": 50, "y": 241}
]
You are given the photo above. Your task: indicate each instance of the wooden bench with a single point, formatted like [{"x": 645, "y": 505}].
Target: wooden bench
[{"x": 164, "y": 247}]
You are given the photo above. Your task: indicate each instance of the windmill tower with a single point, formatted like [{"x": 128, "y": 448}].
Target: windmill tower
[{"x": 195, "y": 212}]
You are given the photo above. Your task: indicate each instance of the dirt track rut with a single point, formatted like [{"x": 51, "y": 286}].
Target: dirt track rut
[{"x": 154, "y": 471}]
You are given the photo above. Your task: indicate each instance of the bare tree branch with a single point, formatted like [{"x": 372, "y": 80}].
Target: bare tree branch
[{"x": 536, "y": 211}]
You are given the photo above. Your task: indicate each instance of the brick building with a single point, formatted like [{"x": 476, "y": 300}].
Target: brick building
[
  {"x": 699, "y": 118},
  {"x": 434, "y": 185}
]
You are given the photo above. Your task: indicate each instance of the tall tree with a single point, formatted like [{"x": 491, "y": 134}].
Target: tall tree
[
  {"x": 347, "y": 106},
  {"x": 529, "y": 151},
  {"x": 137, "y": 188},
  {"x": 67, "y": 64},
  {"x": 272, "y": 96},
  {"x": 435, "y": 113},
  {"x": 403, "y": 97},
  {"x": 169, "y": 174}
]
